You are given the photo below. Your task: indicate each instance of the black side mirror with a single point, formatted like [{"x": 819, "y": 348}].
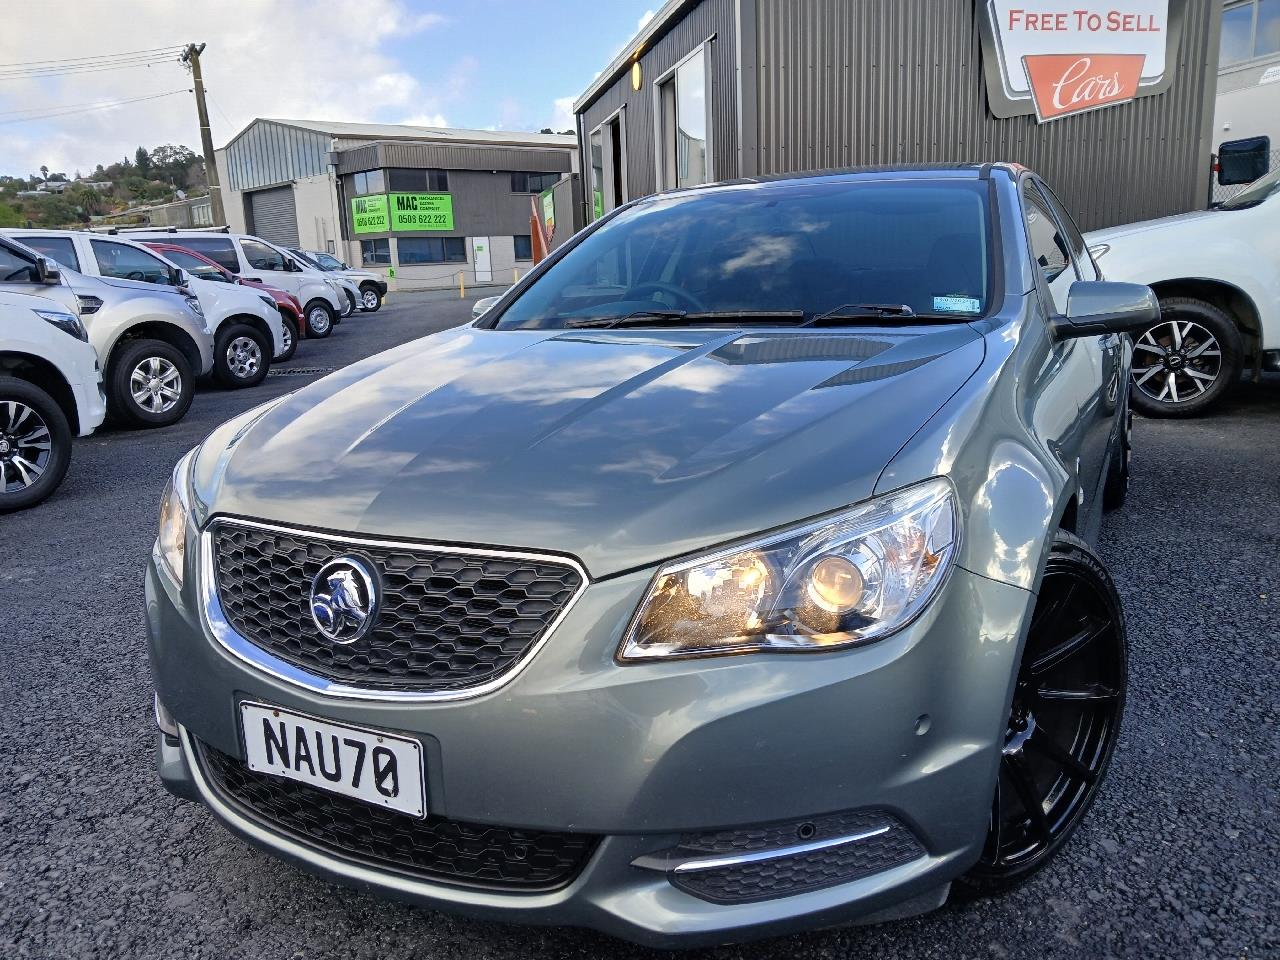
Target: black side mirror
[
  {"x": 292, "y": 265},
  {"x": 47, "y": 272},
  {"x": 177, "y": 277},
  {"x": 1097, "y": 307}
]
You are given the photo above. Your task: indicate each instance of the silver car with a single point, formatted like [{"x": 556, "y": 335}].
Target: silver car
[
  {"x": 731, "y": 577},
  {"x": 152, "y": 341},
  {"x": 372, "y": 286}
]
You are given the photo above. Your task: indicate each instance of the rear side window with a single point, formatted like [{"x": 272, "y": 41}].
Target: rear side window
[
  {"x": 217, "y": 249},
  {"x": 60, "y": 249},
  {"x": 1049, "y": 248},
  {"x": 262, "y": 257},
  {"x": 128, "y": 263}
]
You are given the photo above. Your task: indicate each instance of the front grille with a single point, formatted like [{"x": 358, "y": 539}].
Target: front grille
[
  {"x": 784, "y": 875},
  {"x": 446, "y": 621},
  {"x": 434, "y": 848}
]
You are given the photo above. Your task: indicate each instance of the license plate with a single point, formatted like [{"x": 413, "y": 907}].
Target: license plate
[{"x": 369, "y": 765}]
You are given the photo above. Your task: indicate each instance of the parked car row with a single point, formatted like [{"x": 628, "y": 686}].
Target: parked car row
[{"x": 157, "y": 311}]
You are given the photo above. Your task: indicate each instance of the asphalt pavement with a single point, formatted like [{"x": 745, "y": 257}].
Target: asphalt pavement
[{"x": 1180, "y": 857}]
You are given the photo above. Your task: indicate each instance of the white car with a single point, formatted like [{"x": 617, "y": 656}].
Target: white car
[
  {"x": 247, "y": 328},
  {"x": 1217, "y": 274},
  {"x": 482, "y": 306},
  {"x": 324, "y": 299},
  {"x": 50, "y": 391},
  {"x": 372, "y": 287}
]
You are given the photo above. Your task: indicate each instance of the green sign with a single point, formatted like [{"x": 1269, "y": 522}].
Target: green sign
[
  {"x": 369, "y": 214},
  {"x": 599, "y": 203},
  {"x": 549, "y": 211},
  {"x": 421, "y": 211}
]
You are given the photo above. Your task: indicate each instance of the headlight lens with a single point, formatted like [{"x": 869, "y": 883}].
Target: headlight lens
[
  {"x": 194, "y": 304},
  {"x": 849, "y": 579},
  {"x": 175, "y": 509},
  {"x": 66, "y": 322},
  {"x": 267, "y": 300}
]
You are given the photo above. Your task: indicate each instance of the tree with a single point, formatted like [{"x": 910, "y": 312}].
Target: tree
[
  {"x": 55, "y": 211},
  {"x": 173, "y": 163},
  {"x": 546, "y": 130},
  {"x": 142, "y": 160},
  {"x": 44, "y": 172},
  {"x": 10, "y": 216}
]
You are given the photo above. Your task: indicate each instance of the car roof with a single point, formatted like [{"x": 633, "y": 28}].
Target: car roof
[{"x": 857, "y": 174}]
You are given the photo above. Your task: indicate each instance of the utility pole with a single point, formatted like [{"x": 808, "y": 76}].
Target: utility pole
[{"x": 191, "y": 57}]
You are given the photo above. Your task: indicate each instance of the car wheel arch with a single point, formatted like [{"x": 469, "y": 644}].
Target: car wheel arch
[
  {"x": 1230, "y": 298},
  {"x": 156, "y": 330},
  {"x": 41, "y": 373}
]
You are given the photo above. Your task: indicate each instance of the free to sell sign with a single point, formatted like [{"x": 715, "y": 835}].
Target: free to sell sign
[
  {"x": 1059, "y": 57},
  {"x": 369, "y": 214},
  {"x": 421, "y": 211}
]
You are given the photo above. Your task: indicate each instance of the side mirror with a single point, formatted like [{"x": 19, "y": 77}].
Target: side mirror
[
  {"x": 292, "y": 265},
  {"x": 1097, "y": 307},
  {"x": 177, "y": 277},
  {"x": 47, "y": 272}
]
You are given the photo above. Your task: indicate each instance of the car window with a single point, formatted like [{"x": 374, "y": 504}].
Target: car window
[
  {"x": 261, "y": 256},
  {"x": 809, "y": 246},
  {"x": 128, "y": 263},
  {"x": 330, "y": 263},
  {"x": 196, "y": 267},
  {"x": 1049, "y": 248},
  {"x": 217, "y": 249},
  {"x": 60, "y": 249},
  {"x": 15, "y": 268},
  {"x": 1085, "y": 267},
  {"x": 308, "y": 261}
]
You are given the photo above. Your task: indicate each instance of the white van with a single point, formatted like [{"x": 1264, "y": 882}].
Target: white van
[
  {"x": 324, "y": 300},
  {"x": 247, "y": 328}
]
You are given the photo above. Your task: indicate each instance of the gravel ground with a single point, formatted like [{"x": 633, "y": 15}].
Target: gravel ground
[{"x": 1180, "y": 857}]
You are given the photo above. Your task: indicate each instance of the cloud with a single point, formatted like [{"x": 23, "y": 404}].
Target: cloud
[
  {"x": 562, "y": 114},
  {"x": 644, "y": 20},
  {"x": 425, "y": 120},
  {"x": 258, "y": 63}
]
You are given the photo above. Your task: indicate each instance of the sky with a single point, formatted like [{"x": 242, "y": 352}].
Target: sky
[{"x": 483, "y": 64}]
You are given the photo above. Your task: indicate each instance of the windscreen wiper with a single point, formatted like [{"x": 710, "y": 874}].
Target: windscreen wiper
[
  {"x": 688, "y": 318},
  {"x": 879, "y": 311}
]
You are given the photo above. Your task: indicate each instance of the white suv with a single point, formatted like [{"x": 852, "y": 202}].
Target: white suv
[
  {"x": 1217, "y": 274},
  {"x": 323, "y": 299},
  {"x": 371, "y": 286},
  {"x": 50, "y": 391},
  {"x": 247, "y": 328}
]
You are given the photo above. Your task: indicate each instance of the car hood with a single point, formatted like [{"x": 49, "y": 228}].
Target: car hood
[
  {"x": 1163, "y": 223},
  {"x": 621, "y": 448}
]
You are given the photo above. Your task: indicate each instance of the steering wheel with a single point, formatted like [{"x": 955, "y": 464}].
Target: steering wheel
[
  {"x": 135, "y": 275},
  {"x": 692, "y": 302}
]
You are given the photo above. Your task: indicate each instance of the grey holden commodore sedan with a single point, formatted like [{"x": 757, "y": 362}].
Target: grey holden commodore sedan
[{"x": 730, "y": 576}]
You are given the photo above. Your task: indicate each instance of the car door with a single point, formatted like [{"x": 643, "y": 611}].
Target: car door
[
  {"x": 124, "y": 261},
  {"x": 268, "y": 265},
  {"x": 1106, "y": 355}
]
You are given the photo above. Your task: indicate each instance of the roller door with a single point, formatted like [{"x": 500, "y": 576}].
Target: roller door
[{"x": 275, "y": 217}]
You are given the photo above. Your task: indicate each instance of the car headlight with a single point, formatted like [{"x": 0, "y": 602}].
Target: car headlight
[
  {"x": 268, "y": 301},
  {"x": 66, "y": 322},
  {"x": 847, "y": 579},
  {"x": 175, "y": 510}
]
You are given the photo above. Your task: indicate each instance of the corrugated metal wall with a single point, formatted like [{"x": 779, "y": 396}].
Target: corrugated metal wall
[
  {"x": 851, "y": 82},
  {"x": 271, "y": 153},
  {"x": 453, "y": 157},
  {"x": 483, "y": 206},
  {"x": 702, "y": 21}
]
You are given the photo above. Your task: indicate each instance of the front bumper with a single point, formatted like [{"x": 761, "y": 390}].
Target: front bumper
[{"x": 643, "y": 754}]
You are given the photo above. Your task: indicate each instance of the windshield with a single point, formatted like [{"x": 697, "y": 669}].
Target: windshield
[
  {"x": 804, "y": 248},
  {"x": 305, "y": 259},
  {"x": 1255, "y": 193},
  {"x": 195, "y": 266}
]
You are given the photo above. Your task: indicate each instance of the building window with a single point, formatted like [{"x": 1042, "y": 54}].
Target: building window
[
  {"x": 533, "y": 182},
  {"x": 595, "y": 150},
  {"x": 432, "y": 250},
  {"x": 524, "y": 246},
  {"x": 371, "y": 181},
  {"x": 1249, "y": 30},
  {"x": 375, "y": 253},
  {"x": 683, "y": 151},
  {"x": 418, "y": 181}
]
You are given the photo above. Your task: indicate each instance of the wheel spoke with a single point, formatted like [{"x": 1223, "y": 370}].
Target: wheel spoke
[
  {"x": 1149, "y": 347},
  {"x": 1046, "y": 746},
  {"x": 1177, "y": 335},
  {"x": 1093, "y": 693},
  {"x": 1050, "y": 610},
  {"x": 1023, "y": 784},
  {"x": 1068, "y": 648},
  {"x": 1147, "y": 374},
  {"x": 1199, "y": 375},
  {"x": 28, "y": 472},
  {"x": 1173, "y": 387}
]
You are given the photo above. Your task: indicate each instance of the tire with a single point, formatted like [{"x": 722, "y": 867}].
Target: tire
[
  {"x": 241, "y": 356},
  {"x": 352, "y": 303},
  {"x": 290, "y": 340},
  {"x": 1071, "y": 680},
  {"x": 1184, "y": 364},
  {"x": 35, "y": 444},
  {"x": 172, "y": 372},
  {"x": 320, "y": 318},
  {"x": 1116, "y": 488},
  {"x": 370, "y": 298}
]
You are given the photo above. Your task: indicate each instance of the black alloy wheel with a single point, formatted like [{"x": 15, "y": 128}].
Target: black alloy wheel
[
  {"x": 1187, "y": 361},
  {"x": 35, "y": 444},
  {"x": 1063, "y": 723}
]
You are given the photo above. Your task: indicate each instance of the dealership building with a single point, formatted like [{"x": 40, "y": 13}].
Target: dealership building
[
  {"x": 425, "y": 205},
  {"x": 1112, "y": 102}
]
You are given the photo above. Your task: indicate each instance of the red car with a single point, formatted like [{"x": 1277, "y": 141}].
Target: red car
[{"x": 199, "y": 265}]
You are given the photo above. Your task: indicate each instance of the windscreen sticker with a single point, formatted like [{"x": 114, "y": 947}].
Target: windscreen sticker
[{"x": 957, "y": 304}]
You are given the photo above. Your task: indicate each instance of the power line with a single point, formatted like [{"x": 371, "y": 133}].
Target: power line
[
  {"x": 87, "y": 68},
  {"x": 48, "y": 107},
  {"x": 89, "y": 109},
  {"x": 176, "y": 48}
]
